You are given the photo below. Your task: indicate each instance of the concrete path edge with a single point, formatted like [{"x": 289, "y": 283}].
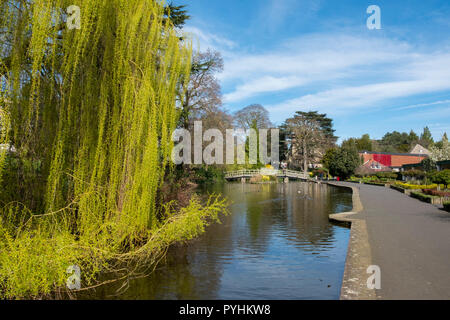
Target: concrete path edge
[{"x": 354, "y": 282}]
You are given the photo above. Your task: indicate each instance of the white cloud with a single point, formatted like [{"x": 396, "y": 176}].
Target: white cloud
[
  {"x": 338, "y": 101},
  {"x": 414, "y": 106},
  {"x": 203, "y": 40},
  {"x": 262, "y": 85},
  {"x": 315, "y": 55},
  {"x": 428, "y": 74},
  {"x": 335, "y": 73}
]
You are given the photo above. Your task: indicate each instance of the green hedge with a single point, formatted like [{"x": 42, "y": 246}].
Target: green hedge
[
  {"x": 423, "y": 197},
  {"x": 375, "y": 183},
  {"x": 387, "y": 175},
  {"x": 447, "y": 206},
  {"x": 418, "y": 174}
]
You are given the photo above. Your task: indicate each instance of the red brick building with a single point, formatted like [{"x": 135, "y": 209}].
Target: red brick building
[{"x": 380, "y": 161}]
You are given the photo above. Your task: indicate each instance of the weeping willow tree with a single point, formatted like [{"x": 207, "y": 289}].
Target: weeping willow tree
[{"x": 89, "y": 112}]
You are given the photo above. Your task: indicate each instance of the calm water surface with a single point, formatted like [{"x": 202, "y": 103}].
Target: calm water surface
[{"x": 277, "y": 243}]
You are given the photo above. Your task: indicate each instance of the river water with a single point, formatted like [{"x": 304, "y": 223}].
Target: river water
[{"x": 277, "y": 243}]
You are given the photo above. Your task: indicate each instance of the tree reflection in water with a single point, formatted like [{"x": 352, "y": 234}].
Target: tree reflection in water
[{"x": 277, "y": 243}]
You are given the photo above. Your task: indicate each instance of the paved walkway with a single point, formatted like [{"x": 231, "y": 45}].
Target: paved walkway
[{"x": 409, "y": 240}]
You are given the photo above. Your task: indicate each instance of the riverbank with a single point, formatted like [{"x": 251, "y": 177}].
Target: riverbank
[
  {"x": 408, "y": 239},
  {"x": 354, "y": 282}
]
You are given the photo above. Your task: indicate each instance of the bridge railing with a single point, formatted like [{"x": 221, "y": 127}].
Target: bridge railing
[
  {"x": 278, "y": 173},
  {"x": 241, "y": 173}
]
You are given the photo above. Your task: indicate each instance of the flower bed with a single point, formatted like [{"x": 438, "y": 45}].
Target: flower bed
[
  {"x": 402, "y": 190},
  {"x": 415, "y": 186},
  {"x": 438, "y": 193}
]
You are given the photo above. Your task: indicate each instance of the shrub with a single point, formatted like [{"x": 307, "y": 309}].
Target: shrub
[
  {"x": 343, "y": 162},
  {"x": 441, "y": 177},
  {"x": 375, "y": 183},
  {"x": 387, "y": 175},
  {"x": 363, "y": 171},
  {"x": 320, "y": 172},
  {"x": 447, "y": 206},
  {"x": 423, "y": 197},
  {"x": 428, "y": 164},
  {"x": 417, "y": 174},
  {"x": 208, "y": 174}
]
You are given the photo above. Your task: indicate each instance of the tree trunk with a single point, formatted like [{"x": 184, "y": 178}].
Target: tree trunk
[{"x": 305, "y": 158}]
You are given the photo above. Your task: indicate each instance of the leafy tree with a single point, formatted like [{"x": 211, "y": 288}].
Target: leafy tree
[
  {"x": 328, "y": 157},
  {"x": 426, "y": 139},
  {"x": 364, "y": 143},
  {"x": 396, "y": 142},
  {"x": 361, "y": 144},
  {"x": 307, "y": 136},
  {"x": 439, "y": 144},
  {"x": 92, "y": 112},
  {"x": 428, "y": 164},
  {"x": 325, "y": 123},
  {"x": 442, "y": 177},
  {"x": 413, "y": 138},
  {"x": 342, "y": 162},
  {"x": 176, "y": 14}
]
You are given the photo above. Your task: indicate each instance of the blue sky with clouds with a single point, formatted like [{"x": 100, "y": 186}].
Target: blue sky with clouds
[{"x": 291, "y": 55}]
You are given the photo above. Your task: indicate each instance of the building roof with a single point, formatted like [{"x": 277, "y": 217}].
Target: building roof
[
  {"x": 419, "y": 149},
  {"x": 396, "y": 154}
]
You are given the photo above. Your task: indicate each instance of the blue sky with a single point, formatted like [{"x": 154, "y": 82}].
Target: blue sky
[{"x": 291, "y": 55}]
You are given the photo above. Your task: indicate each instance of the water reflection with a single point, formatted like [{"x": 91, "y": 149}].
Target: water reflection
[{"x": 276, "y": 244}]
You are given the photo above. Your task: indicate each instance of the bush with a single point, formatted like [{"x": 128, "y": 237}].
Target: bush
[
  {"x": 447, "y": 206},
  {"x": 387, "y": 175},
  {"x": 363, "y": 171},
  {"x": 208, "y": 174},
  {"x": 441, "y": 177},
  {"x": 423, "y": 197},
  {"x": 428, "y": 164},
  {"x": 417, "y": 174},
  {"x": 343, "y": 162},
  {"x": 320, "y": 172},
  {"x": 375, "y": 183}
]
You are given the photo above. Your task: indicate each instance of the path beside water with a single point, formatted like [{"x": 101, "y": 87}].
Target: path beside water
[{"x": 409, "y": 240}]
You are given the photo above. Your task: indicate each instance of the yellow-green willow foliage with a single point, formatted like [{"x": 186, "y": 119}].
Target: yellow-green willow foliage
[{"x": 92, "y": 110}]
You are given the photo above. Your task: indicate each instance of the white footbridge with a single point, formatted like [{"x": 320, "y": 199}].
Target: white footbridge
[{"x": 285, "y": 174}]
